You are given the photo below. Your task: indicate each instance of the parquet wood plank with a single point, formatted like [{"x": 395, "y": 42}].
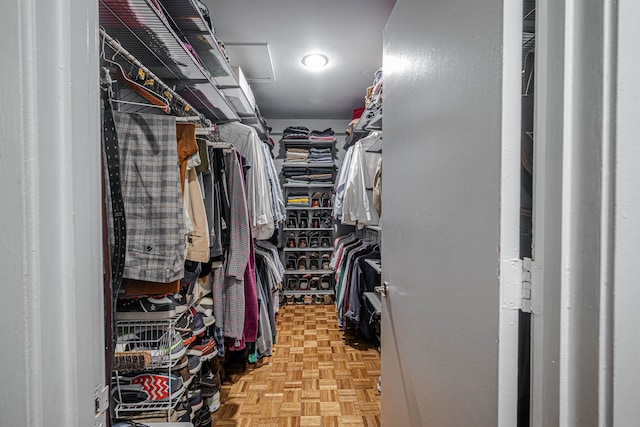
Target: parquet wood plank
[{"x": 315, "y": 377}]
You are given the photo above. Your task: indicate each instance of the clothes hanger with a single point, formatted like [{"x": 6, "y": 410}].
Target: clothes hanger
[{"x": 156, "y": 99}]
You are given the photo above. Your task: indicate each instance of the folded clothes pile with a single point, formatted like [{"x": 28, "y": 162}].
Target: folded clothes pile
[
  {"x": 295, "y": 132},
  {"x": 301, "y": 132},
  {"x": 324, "y": 135},
  {"x": 320, "y": 155},
  {"x": 298, "y": 199},
  {"x": 320, "y": 178},
  {"x": 297, "y": 155}
]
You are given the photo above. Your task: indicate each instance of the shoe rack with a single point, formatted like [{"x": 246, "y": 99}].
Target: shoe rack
[{"x": 308, "y": 231}]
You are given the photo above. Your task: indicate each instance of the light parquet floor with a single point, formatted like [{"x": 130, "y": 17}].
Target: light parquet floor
[{"x": 313, "y": 378}]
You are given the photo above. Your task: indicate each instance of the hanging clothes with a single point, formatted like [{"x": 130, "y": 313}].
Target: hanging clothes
[
  {"x": 245, "y": 139},
  {"x": 151, "y": 188},
  {"x": 358, "y": 191},
  {"x": 228, "y": 281}
]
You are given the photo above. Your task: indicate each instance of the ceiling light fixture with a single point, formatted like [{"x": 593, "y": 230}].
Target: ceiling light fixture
[{"x": 315, "y": 61}]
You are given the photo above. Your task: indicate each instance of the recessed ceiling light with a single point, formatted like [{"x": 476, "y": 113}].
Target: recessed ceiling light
[{"x": 315, "y": 61}]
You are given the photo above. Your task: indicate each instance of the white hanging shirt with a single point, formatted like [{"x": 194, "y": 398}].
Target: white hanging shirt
[{"x": 245, "y": 139}]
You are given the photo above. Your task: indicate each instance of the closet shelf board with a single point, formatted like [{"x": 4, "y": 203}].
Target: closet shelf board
[
  {"x": 374, "y": 299},
  {"x": 305, "y": 272},
  {"x": 189, "y": 20},
  {"x": 308, "y": 249},
  {"x": 375, "y": 264},
  {"x": 258, "y": 125},
  {"x": 303, "y": 208},
  {"x": 307, "y": 142},
  {"x": 308, "y": 185},
  {"x": 310, "y": 292},
  {"x": 146, "y": 34},
  {"x": 376, "y": 121},
  {"x": 309, "y": 165},
  {"x": 307, "y": 229},
  {"x": 124, "y": 408}
]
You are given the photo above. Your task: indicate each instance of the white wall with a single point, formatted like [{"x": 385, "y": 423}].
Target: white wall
[{"x": 51, "y": 340}]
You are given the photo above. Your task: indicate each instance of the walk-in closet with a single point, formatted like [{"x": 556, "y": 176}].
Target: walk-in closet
[{"x": 196, "y": 232}]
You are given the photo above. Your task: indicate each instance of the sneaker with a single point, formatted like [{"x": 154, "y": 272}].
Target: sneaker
[
  {"x": 195, "y": 400},
  {"x": 298, "y": 299},
  {"x": 214, "y": 402},
  {"x": 325, "y": 282},
  {"x": 195, "y": 363},
  {"x": 129, "y": 394},
  {"x": 205, "y": 306},
  {"x": 197, "y": 324},
  {"x": 202, "y": 418},
  {"x": 205, "y": 347},
  {"x": 180, "y": 302},
  {"x": 145, "y": 308},
  {"x": 183, "y": 325},
  {"x": 159, "y": 386},
  {"x": 184, "y": 361},
  {"x": 160, "y": 345}
]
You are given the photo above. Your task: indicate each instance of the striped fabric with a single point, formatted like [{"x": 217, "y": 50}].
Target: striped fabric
[{"x": 152, "y": 196}]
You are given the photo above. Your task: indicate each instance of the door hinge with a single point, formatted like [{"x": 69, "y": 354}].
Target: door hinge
[
  {"x": 525, "y": 285},
  {"x": 101, "y": 399}
]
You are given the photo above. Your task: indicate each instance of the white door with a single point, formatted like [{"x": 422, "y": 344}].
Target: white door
[
  {"x": 450, "y": 212},
  {"x": 52, "y": 340}
]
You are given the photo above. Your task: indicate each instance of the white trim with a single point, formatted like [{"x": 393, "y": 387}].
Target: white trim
[
  {"x": 605, "y": 351},
  {"x": 510, "y": 215}
]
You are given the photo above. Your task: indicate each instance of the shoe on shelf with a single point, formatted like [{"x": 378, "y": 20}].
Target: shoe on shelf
[
  {"x": 194, "y": 363},
  {"x": 129, "y": 394},
  {"x": 292, "y": 220},
  {"x": 206, "y": 347},
  {"x": 299, "y": 299},
  {"x": 184, "y": 326},
  {"x": 159, "y": 386},
  {"x": 303, "y": 284},
  {"x": 302, "y": 262},
  {"x": 308, "y": 299},
  {"x": 326, "y": 200},
  {"x": 161, "y": 345},
  {"x": 325, "y": 282},
  {"x": 292, "y": 261},
  {"x": 325, "y": 242},
  {"x": 313, "y": 284},
  {"x": 180, "y": 301},
  {"x": 328, "y": 299},
  {"x": 195, "y": 400},
  {"x": 197, "y": 323},
  {"x": 292, "y": 283},
  {"x": 145, "y": 308},
  {"x": 316, "y": 200},
  {"x": 302, "y": 240},
  {"x": 202, "y": 418},
  {"x": 290, "y": 299},
  {"x": 318, "y": 300},
  {"x": 181, "y": 363},
  {"x": 205, "y": 306}
]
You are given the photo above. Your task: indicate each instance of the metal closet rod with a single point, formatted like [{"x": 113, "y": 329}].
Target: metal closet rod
[{"x": 118, "y": 48}]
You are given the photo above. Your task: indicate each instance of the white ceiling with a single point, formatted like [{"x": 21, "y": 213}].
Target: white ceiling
[{"x": 349, "y": 32}]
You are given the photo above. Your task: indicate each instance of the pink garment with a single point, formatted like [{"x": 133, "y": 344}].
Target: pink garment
[{"x": 251, "y": 307}]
